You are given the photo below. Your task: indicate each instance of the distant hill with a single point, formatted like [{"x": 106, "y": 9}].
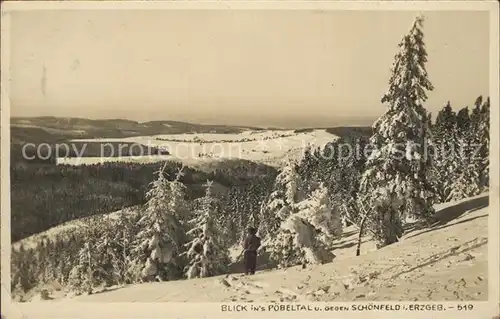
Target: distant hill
[
  {"x": 115, "y": 128},
  {"x": 351, "y": 131},
  {"x": 56, "y": 130},
  {"x": 52, "y": 130},
  {"x": 343, "y": 131}
]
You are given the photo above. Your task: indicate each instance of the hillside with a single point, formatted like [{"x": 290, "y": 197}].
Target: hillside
[
  {"x": 88, "y": 128},
  {"x": 351, "y": 131},
  {"x": 269, "y": 147},
  {"x": 115, "y": 128},
  {"x": 65, "y": 229},
  {"x": 60, "y": 193},
  {"x": 444, "y": 261},
  {"x": 76, "y": 141},
  {"x": 56, "y": 130}
]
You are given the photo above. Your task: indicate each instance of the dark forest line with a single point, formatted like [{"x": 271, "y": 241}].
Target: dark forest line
[{"x": 45, "y": 195}]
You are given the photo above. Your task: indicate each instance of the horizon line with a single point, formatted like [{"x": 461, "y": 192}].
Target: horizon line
[{"x": 369, "y": 119}]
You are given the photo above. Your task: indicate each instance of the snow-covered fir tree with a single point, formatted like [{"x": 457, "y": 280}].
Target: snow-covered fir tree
[
  {"x": 462, "y": 143},
  {"x": 305, "y": 231},
  {"x": 178, "y": 203},
  {"x": 298, "y": 242},
  {"x": 395, "y": 179},
  {"x": 281, "y": 201},
  {"x": 470, "y": 166},
  {"x": 475, "y": 116},
  {"x": 480, "y": 139},
  {"x": 467, "y": 183},
  {"x": 484, "y": 136},
  {"x": 256, "y": 194},
  {"x": 308, "y": 170},
  {"x": 94, "y": 263},
  {"x": 67, "y": 249},
  {"x": 446, "y": 152},
  {"x": 82, "y": 278},
  {"x": 236, "y": 212},
  {"x": 463, "y": 122},
  {"x": 22, "y": 270},
  {"x": 302, "y": 223},
  {"x": 318, "y": 211},
  {"x": 253, "y": 221},
  {"x": 206, "y": 254},
  {"x": 231, "y": 211},
  {"x": 341, "y": 165},
  {"x": 181, "y": 208},
  {"x": 121, "y": 252},
  {"x": 160, "y": 240},
  {"x": 43, "y": 260}
]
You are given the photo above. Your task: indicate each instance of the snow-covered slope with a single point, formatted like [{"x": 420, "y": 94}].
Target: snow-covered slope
[
  {"x": 65, "y": 228},
  {"x": 444, "y": 261},
  {"x": 267, "y": 146}
]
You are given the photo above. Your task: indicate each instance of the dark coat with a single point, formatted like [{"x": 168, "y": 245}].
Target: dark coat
[{"x": 252, "y": 243}]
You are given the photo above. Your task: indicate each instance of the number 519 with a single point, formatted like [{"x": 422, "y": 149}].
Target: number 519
[{"x": 465, "y": 307}]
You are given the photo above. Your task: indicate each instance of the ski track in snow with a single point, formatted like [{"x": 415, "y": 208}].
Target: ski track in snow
[{"x": 444, "y": 261}]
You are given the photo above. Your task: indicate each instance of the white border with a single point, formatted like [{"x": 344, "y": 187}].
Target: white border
[
  {"x": 358, "y": 5},
  {"x": 197, "y": 310}
]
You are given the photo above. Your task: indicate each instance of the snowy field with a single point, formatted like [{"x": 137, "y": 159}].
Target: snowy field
[
  {"x": 444, "y": 261},
  {"x": 269, "y": 147}
]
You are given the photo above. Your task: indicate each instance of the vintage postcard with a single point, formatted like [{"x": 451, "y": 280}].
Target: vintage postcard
[{"x": 241, "y": 159}]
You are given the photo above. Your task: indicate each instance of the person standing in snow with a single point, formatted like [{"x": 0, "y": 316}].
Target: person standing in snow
[{"x": 250, "y": 246}]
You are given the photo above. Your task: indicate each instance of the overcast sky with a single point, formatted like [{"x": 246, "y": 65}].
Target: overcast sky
[{"x": 242, "y": 67}]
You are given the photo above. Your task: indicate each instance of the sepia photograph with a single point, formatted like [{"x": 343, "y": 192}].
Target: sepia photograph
[{"x": 250, "y": 156}]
